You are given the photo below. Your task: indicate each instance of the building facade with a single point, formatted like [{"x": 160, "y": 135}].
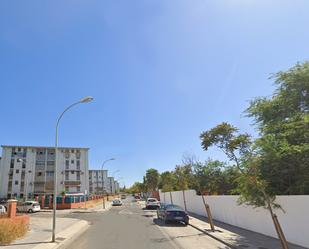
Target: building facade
[
  {"x": 29, "y": 171},
  {"x": 98, "y": 181},
  {"x": 111, "y": 185}
]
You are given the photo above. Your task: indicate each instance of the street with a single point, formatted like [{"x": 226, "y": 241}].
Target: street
[{"x": 129, "y": 226}]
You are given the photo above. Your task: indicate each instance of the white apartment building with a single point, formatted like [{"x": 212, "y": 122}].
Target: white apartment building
[
  {"x": 98, "y": 181},
  {"x": 117, "y": 187},
  {"x": 111, "y": 185},
  {"x": 29, "y": 170}
]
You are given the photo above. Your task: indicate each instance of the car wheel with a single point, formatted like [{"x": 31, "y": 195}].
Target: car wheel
[{"x": 30, "y": 211}]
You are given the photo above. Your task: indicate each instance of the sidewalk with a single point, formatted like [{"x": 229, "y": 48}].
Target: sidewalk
[
  {"x": 39, "y": 235},
  {"x": 235, "y": 237}
]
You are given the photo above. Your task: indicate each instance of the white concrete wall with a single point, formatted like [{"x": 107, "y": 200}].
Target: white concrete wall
[{"x": 294, "y": 222}]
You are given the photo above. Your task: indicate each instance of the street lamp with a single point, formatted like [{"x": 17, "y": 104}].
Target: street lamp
[
  {"x": 84, "y": 100},
  {"x": 26, "y": 185},
  {"x": 111, "y": 159}
]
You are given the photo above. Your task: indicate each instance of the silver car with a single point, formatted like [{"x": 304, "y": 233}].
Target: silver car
[{"x": 28, "y": 207}]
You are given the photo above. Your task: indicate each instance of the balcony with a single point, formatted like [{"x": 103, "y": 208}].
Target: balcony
[{"x": 72, "y": 183}]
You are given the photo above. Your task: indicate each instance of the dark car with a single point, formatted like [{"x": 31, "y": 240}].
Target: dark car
[{"x": 170, "y": 212}]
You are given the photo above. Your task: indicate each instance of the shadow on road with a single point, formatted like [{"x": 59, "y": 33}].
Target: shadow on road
[{"x": 161, "y": 223}]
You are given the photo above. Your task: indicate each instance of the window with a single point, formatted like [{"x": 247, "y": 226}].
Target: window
[
  {"x": 67, "y": 189},
  {"x": 67, "y": 162},
  {"x": 50, "y": 163},
  {"x": 39, "y": 173},
  {"x": 17, "y": 171},
  {"x": 67, "y": 153},
  {"x": 78, "y": 176},
  {"x": 78, "y": 189},
  {"x": 72, "y": 161},
  {"x": 16, "y": 182},
  {"x": 24, "y": 165},
  {"x": 77, "y": 163},
  {"x": 77, "y": 154},
  {"x": 50, "y": 173},
  {"x": 66, "y": 176},
  {"x": 40, "y": 163},
  {"x": 12, "y": 164},
  {"x": 19, "y": 149},
  {"x": 72, "y": 151}
]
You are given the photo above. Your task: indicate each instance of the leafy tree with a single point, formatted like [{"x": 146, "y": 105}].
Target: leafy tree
[
  {"x": 215, "y": 177},
  {"x": 151, "y": 179},
  {"x": 167, "y": 181},
  {"x": 184, "y": 177},
  {"x": 252, "y": 188},
  {"x": 283, "y": 122}
]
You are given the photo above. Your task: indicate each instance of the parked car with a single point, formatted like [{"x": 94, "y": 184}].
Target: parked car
[
  {"x": 123, "y": 196},
  {"x": 152, "y": 203},
  {"x": 172, "y": 212},
  {"x": 2, "y": 209},
  {"x": 4, "y": 203},
  {"x": 116, "y": 202},
  {"x": 28, "y": 207}
]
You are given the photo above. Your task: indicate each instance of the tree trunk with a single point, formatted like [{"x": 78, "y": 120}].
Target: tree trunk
[
  {"x": 184, "y": 200},
  {"x": 211, "y": 223},
  {"x": 279, "y": 231}
]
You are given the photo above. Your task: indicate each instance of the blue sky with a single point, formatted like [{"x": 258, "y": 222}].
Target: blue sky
[{"x": 160, "y": 71}]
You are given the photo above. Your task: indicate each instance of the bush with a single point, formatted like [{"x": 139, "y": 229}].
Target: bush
[{"x": 11, "y": 229}]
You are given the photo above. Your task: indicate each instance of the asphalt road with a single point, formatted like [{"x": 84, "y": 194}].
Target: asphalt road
[{"x": 131, "y": 227}]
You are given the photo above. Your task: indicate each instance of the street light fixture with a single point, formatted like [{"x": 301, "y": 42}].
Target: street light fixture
[
  {"x": 84, "y": 100},
  {"x": 111, "y": 159}
]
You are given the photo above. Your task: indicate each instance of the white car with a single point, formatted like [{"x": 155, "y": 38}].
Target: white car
[
  {"x": 28, "y": 207},
  {"x": 117, "y": 202},
  {"x": 152, "y": 203}
]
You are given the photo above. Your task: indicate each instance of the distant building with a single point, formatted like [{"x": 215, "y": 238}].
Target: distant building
[
  {"x": 117, "y": 187},
  {"x": 111, "y": 185},
  {"x": 98, "y": 181},
  {"x": 29, "y": 170}
]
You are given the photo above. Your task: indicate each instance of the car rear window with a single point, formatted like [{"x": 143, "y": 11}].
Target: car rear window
[{"x": 152, "y": 200}]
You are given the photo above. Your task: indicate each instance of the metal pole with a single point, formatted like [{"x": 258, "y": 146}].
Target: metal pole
[{"x": 85, "y": 100}]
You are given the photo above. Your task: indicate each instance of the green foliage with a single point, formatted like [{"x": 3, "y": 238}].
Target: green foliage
[
  {"x": 152, "y": 179},
  {"x": 215, "y": 177},
  {"x": 283, "y": 122},
  {"x": 225, "y": 137},
  {"x": 184, "y": 177},
  {"x": 167, "y": 181},
  {"x": 239, "y": 149}
]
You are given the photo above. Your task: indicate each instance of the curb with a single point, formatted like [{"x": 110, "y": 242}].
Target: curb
[
  {"x": 68, "y": 234},
  {"x": 213, "y": 236}
]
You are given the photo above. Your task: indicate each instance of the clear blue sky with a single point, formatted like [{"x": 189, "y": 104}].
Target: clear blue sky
[{"x": 160, "y": 72}]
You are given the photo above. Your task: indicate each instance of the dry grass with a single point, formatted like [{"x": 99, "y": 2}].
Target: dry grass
[{"x": 11, "y": 230}]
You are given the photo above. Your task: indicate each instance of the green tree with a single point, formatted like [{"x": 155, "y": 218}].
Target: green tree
[
  {"x": 151, "y": 179},
  {"x": 283, "y": 122},
  {"x": 252, "y": 187},
  {"x": 167, "y": 181},
  {"x": 215, "y": 177},
  {"x": 184, "y": 177}
]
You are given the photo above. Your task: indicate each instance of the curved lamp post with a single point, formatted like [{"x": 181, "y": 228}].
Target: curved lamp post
[
  {"x": 84, "y": 100},
  {"x": 111, "y": 159}
]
